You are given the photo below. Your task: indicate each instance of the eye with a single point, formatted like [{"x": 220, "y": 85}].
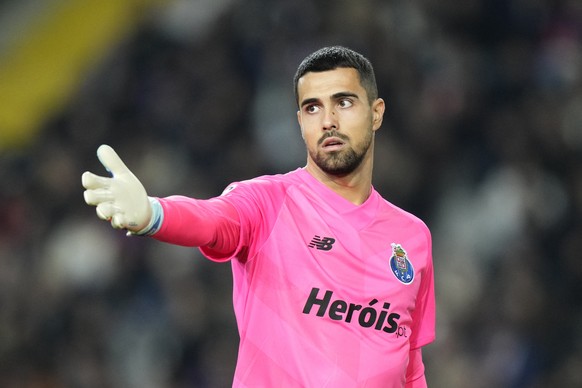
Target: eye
[
  {"x": 312, "y": 108},
  {"x": 345, "y": 103}
]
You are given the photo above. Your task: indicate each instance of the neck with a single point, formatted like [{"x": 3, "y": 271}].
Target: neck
[{"x": 354, "y": 187}]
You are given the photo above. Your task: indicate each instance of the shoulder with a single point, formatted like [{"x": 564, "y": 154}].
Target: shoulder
[
  {"x": 259, "y": 200},
  {"x": 401, "y": 216},
  {"x": 264, "y": 184}
]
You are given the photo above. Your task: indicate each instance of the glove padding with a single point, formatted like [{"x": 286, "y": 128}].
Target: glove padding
[{"x": 121, "y": 199}]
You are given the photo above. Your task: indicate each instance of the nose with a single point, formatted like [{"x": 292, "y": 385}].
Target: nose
[{"x": 330, "y": 120}]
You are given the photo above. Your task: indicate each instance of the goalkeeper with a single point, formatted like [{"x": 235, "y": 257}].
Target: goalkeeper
[{"x": 333, "y": 284}]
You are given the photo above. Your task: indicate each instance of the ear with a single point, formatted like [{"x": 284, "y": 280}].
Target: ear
[
  {"x": 300, "y": 123},
  {"x": 378, "y": 108}
]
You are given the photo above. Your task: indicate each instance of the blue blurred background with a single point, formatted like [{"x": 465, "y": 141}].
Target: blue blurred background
[{"x": 482, "y": 138}]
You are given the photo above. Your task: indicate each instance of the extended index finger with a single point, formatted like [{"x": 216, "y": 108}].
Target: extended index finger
[{"x": 110, "y": 160}]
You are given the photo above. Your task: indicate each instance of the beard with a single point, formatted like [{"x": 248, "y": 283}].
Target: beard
[{"x": 343, "y": 162}]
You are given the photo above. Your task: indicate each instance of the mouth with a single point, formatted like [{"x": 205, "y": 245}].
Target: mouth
[{"x": 332, "y": 144}]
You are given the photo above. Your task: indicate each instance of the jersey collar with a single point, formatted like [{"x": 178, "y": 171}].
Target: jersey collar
[{"x": 357, "y": 215}]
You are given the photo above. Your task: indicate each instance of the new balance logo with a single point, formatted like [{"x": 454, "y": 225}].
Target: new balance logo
[{"x": 322, "y": 243}]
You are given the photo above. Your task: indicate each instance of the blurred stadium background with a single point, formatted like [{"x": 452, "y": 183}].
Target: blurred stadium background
[{"x": 482, "y": 139}]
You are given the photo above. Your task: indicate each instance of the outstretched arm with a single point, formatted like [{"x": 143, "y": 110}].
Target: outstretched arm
[
  {"x": 122, "y": 200},
  {"x": 209, "y": 223}
]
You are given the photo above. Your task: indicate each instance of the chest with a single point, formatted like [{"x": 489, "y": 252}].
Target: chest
[{"x": 354, "y": 261}]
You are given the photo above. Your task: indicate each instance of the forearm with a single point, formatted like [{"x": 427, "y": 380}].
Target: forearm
[
  {"x": 192, "y": 222},
  {"x": 415, "y": 377}
]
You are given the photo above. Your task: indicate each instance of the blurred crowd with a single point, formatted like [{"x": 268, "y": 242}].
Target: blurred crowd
[{"x": 482, "y": 139}]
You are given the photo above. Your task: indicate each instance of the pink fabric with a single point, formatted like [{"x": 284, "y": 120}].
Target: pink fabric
[
  {"x": 190, "y": 222},
  {"x": 415, "y": 374},
  {"x": 316, "y": 300}
]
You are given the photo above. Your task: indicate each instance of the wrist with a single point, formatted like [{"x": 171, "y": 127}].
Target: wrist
[{"x": 156, "y": 219}]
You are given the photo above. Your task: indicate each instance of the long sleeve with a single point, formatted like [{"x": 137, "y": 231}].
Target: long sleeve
[
  {"x": 415, "y": 377},
  {"x": 211, "y": 223}
]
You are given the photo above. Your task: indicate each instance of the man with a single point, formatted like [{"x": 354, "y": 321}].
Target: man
[{"x": 333, "y": 285}]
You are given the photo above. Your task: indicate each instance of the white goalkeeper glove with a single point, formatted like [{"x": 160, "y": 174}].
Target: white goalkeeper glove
[{"x": 121, "y": 199}]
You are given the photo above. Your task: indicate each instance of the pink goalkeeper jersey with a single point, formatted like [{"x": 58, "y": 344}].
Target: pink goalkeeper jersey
[{"x": 326, "y": 293}]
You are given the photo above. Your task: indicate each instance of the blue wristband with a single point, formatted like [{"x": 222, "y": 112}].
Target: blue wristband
[{"x": 156, "y": 221}]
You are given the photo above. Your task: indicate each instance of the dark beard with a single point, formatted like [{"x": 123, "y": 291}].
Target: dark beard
[
  {"x": 338, "y": 163},
  {"x": 341, "y": 163}
]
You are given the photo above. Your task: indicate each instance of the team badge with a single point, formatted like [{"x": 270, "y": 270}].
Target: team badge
[{"x": 400, "y": 265}]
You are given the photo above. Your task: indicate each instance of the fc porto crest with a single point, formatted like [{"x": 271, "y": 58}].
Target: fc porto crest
[{"x": 400, "y": 265}]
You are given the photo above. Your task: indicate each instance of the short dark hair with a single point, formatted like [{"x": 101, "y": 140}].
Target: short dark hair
[{"x": 331, "y": 58}]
